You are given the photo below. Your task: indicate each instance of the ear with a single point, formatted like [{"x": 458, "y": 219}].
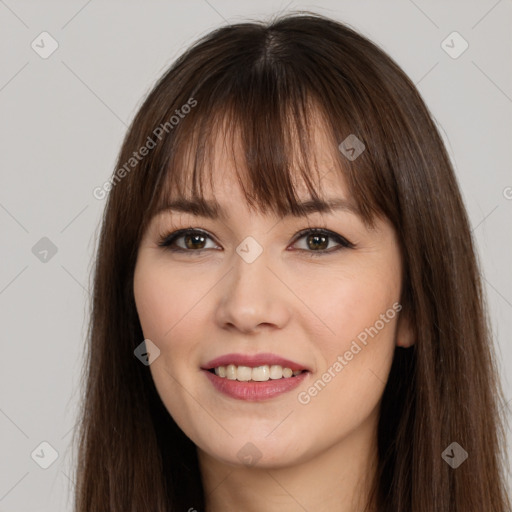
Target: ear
[{"x": 404, "y": 332}]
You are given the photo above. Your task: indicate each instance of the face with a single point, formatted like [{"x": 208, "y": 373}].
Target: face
[{"x": 251, "y": 285}]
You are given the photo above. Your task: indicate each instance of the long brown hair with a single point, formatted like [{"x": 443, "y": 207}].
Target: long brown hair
[{"x": 266, "y": 79}]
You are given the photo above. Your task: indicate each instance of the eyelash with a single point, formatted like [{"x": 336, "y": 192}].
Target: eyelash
[{"x": 167, "y": 241}]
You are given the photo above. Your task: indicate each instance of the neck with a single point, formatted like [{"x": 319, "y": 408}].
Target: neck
[{"x": 338, "y": 479}]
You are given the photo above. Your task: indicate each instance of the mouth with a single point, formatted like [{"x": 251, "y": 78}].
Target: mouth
[
  {"x": 254, "y": 377},
  {"x": 253, "y": 390},
  {"x": 261, "y": 373}
]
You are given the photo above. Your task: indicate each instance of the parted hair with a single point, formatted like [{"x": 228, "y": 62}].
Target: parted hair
[{"x": 266, "y": 79}]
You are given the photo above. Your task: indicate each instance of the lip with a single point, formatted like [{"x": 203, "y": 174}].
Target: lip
[
  {"x": 253, "y": 361},
  {"x": 254, "y": 391}
]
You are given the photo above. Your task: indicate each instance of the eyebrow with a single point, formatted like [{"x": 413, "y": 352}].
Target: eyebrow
[{"x": 213, "y": 210}]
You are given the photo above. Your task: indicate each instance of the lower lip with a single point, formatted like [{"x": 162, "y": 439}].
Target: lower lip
[{"x": 254, "y": 391}]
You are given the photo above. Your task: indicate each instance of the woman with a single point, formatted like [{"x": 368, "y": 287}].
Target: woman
[{"x": 305, "y": 330}]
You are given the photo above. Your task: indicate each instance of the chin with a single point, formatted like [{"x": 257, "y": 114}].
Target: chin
[{"x": 256, "y": 452}]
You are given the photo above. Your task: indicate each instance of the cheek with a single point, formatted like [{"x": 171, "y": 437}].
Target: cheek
[
  {"x": 161, "y": 299},
  {"x": 151, "y": 304},
  {"x": 350, "y": 304},
  {"x": 168, "y": 306},
  {"x": 347, "y": 388},
  {"x": 171, "y": 308},
  {"x": 357, "y": 344}
]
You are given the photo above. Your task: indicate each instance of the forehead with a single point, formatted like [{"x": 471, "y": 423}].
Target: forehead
[
  {"x": 225, "y": 195},
  {"x": 223, "y": 162},
  {"x": 228, "y": 161}
]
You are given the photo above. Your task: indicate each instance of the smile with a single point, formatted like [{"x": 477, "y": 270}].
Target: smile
[
  {"x": 257, "y": 374},
  {"x": 254, "y": 391},
  {"x": 254, "y": 377}
]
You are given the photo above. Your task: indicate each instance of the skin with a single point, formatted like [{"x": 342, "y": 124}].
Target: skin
[{"x": 315, "y": 456}]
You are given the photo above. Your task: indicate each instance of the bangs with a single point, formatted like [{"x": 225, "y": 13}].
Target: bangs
[{"x": 268, "y": 127}]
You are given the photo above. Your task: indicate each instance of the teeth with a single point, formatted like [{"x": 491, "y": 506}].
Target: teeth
[
  {"x": 243, "y": 373},
  {"x": 231, "y": 372},
  {"x": 258, "y": 374},
  {"x": 276, "y": 371}
]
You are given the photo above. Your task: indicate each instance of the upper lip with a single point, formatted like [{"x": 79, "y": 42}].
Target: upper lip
[{"x": 253, "y": 360}]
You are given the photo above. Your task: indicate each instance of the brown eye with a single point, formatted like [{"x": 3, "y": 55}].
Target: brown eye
[
  {"x": 193, "y": 241},
  {"x": 318, "y": 241}
]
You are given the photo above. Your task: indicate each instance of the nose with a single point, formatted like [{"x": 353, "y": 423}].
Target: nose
[{"x": 253, "y": 297}]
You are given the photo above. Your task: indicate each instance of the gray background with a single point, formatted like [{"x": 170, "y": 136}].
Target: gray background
[{"x": 62, "y": 123}]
